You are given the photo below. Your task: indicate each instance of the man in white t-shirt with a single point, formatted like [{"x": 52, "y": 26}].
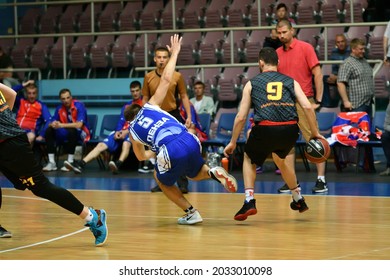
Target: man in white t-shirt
[
  {"x": 386, "y": 45},
  {"x": 202, "y": 104}
]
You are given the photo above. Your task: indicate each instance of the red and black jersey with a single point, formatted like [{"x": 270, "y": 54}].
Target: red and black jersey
[{"x": 273, "y": 98}]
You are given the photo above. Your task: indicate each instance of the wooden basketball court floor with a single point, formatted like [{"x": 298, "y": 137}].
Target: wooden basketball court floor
[{"x": 349, "y": 222}]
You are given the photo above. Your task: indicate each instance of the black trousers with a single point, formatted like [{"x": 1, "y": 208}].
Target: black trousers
[{"x": 69, "y": 144}]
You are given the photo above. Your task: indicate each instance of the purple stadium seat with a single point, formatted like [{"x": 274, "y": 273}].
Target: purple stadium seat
[
  {"x": 50, "y": 19},
  {"x": 100, "y": 51},
  {"x": 128, "y": 16},
  {"x": 40, "y": 52},
  {"x": 69, "y": 20},
  {"x": 30, "y": 21},
  {"x": 84, "y": 24},
  {"x": 109, "y": 17}
]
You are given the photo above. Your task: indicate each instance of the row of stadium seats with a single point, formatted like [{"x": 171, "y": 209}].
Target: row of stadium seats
[
  {"x": 186, "y": 14},
  {"x": 108, "y": 53}
]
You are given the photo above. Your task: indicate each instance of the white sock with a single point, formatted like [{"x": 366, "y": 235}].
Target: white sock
[
  {"x": 249, "y": 194},
  {"x": 70, "y": 158},
  {"x": 51, "y": 158},
  {"x": 152, "y": 160},
  {"x": 296, "y": 193},
  {"x": 322, "y": 178},
  {"x": 89, "y": 216}
]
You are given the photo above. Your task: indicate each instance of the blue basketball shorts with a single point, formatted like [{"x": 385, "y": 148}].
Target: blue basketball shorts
[{"x": 180, "y": 157}]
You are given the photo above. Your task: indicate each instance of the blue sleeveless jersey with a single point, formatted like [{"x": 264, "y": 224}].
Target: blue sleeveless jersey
[{"x": 154, "y": 127}]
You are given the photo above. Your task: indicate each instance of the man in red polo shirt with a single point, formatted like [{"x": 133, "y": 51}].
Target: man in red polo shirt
[
  {"x": 298, "y": 60},
  {"x": 32, "y": 114}
]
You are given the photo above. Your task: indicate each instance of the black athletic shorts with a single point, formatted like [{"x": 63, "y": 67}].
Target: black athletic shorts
[
  {"x": 266, "y": 139},
  {"x": 18, "y": 164}
]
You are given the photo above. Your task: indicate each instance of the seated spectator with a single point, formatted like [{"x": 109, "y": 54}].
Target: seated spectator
[
  {"x": 331, "y": 96},
  {"x": 116, "y": 140},
  {"x": 195, "y": 127},
  {"x": 282, "y": 13},
  {"x": 202, "y": 104},
  {"x": 67, "y": 127},
  {"x": 32, "y": 114}
]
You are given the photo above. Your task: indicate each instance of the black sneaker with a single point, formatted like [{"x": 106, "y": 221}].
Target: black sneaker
[
  {"x": 299, "y": 205},
  {"x": 5, "y": 233},
  {"x": 156, "y": 189},
  {"x": 284, "y": 189},
  {"x": 320, "y": 187},
  {"x": 147, "y": 168},
  {"x": 75, "y": 166},
  {"x": 248, "y": 209}
]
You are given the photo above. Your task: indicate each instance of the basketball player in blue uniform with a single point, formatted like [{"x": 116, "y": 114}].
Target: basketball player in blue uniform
[
  {"x": 18, "y": 165},
  {"x": 273, "y": 97},
  {"x": 177, "y": 151}
]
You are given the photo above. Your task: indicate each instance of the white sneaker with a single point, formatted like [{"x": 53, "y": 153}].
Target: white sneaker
[
  {"x": 65, "y": 169},
  {"x": 50, "y": 166},
  {"x": 219, "y": 174},
  {"x": 190, "y": 218},
  {"x": 113, "y": 167}
]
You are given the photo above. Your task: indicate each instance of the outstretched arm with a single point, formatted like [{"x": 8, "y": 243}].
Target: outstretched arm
[
  {"x": 240, "y": 119},
  {"x": 167, "y": 74}
]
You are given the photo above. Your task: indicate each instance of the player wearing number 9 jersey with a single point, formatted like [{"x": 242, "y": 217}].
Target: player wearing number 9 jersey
[
  {"x": 18, "y": 165},
  {"x": 272, "y": 96}
]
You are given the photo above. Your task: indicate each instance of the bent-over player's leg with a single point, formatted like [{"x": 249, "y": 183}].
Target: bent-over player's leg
[
  {"x": 219, "y": 174},
  {"x": 174, "y": 194}
]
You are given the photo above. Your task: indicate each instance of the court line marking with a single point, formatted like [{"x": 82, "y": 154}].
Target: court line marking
[
  {"x": 44, "y": 242},
  {"x": 265, "y": 194},
  {"x": 25, "y": 197}
]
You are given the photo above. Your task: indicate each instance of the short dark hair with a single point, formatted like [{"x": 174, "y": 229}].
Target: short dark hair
[
  {"x": 33, "y": 86},
  {"x": 269, "y": 56},
  {"x": 199, "y": 83},
  {"x": 63, "y": 91},
  {"x": 131, "y": 111},
  {"x": 134, "y": 84},
  {"x": 162, "y": 49},
  {"x": 281, "y": 5}
]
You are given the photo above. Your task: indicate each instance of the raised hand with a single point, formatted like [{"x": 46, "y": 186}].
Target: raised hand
[{"x": 175, "y": 46}]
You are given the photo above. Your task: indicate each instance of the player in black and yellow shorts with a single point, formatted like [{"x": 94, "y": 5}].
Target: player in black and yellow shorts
[{"x": 18, "y": 165}]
